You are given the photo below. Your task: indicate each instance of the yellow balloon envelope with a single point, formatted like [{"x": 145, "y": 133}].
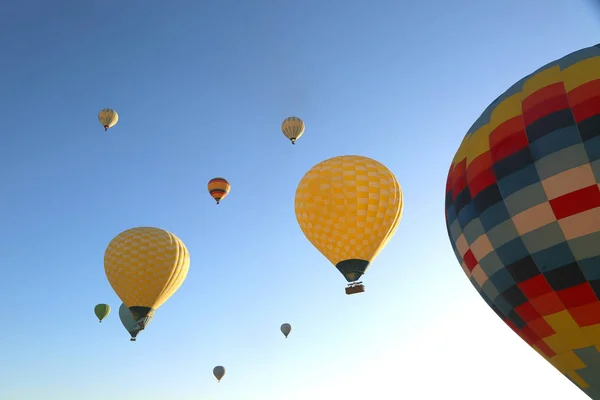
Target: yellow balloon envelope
[
  {"x": 108, "y": 118},
  {"x": 292, "y": 128},
  {"x": 349, "y": 207},
  {"x": 145, "y": 266}
]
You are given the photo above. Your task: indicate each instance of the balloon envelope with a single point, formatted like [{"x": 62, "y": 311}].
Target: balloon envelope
[
  {"x": 108, "y": 118},
  {"x": 219, "y": 372},
  {"x": 128, "y": 322},
  {"x": 523, "y": 212},
  {"x": 292, "y": 128},
  {"x": 101, "y": 311},
  {"x": 218, "y": 188},
  {"x": 286, "y": 329},
  {"x": 145, "y": 266},
  {"x": 349, "y": 207}
]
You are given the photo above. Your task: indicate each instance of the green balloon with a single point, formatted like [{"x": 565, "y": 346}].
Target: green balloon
[
  {"x": 101, "y": 311},
  {"x": 129, "y": 323}
]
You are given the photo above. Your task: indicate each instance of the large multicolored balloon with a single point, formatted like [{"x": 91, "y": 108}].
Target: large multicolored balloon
[
  {"x": 218, "y": 188},
  {"x": 145, "y": 266},
  {"x": 349, "y": 207},
  {"x": 523, "y": 212},
  {"x": 292, "y": 128},
  {"x": 101, "y": 311},
  {"x": 108, "y": 118}
]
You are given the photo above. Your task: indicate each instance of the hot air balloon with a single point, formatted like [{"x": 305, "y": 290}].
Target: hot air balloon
[
  {"x": 349, "y": 207},
  {"x": 129, "y": 323},
  {"x": 523, "y": 212},
  {"x": 219, "y": 372},
  {"x": 286, "y": 329},
  {"x": 101, "y": 311},
  {"x": 108, "y": 118},
  {"x": 292, "y": 128},
  {"x": 145, "y": 266},
  {"x": 218, "y": 188}
]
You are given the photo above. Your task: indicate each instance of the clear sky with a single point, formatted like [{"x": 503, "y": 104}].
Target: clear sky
[{"x": 201, "y": 88}]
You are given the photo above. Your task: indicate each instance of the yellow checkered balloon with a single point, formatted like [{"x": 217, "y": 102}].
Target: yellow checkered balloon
[
  {"x": 349, "y": 207},
  {"x": 145, "y": 266}
]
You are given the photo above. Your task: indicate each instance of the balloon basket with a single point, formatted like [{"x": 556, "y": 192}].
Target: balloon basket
[{"x": 354, "y": 288}]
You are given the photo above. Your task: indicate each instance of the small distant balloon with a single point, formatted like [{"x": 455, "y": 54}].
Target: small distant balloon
[
  {"x": 292, "y": 128},
  {"x": 286, "y": 329},
  {"x": 129, "y": 323},
  {"x": 108, "y": 118},
  {"x": 218, "y": 188},
  {"x": 219, "y": 372},
  {"x": 101, "y": 311}
]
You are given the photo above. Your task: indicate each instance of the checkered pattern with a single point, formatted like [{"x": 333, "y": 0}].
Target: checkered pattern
[
  {"x": 523, "y": 212},
  {"x": 349, "y": 207},
  {"x": 108, "y": 118},
  {"x": 292, "y": 127},
  {"x": 145, "y": 266}
]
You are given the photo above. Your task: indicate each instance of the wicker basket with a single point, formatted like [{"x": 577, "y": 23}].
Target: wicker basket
[{"x": 355, "y": 289}]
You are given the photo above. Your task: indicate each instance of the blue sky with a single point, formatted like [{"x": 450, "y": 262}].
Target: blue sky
[{"x": 201, "y": 89}]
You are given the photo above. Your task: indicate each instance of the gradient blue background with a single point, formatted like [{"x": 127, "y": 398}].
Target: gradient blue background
[{"x": 201, "y": 88}]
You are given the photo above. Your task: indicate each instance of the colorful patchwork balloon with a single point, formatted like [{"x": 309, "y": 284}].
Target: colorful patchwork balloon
[{"x": 523, "y": 212}]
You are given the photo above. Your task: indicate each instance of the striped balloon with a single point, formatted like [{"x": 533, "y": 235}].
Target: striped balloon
[
  {"x": 292, "y": 128},
  {"x": 218, "y": 188},
  {"x": 523, "y": 212}
]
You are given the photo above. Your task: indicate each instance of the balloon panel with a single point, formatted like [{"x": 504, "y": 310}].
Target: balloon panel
[
  {"x": 523, "y": 212},
  {"x": 348, "y": 207},
  {"x": 145, "y": 266}
]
